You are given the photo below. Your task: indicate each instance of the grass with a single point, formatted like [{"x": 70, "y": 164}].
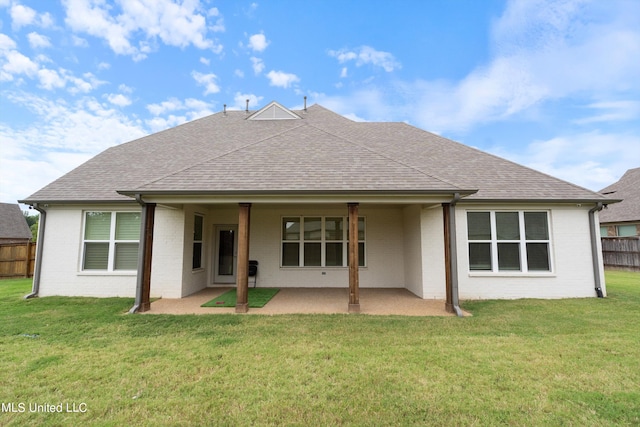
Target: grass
[
  {"x": 257, "y": 298},
  {"x": 526, "y": 362}
]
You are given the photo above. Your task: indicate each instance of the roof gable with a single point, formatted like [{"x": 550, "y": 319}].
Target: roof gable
[{"x": 274, "y": 111}]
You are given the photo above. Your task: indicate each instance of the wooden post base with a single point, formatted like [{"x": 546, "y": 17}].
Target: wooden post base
[
  {"x": 354, "y": 308},
  {"x": 448, "y": 307},
  {"x": 242, "y": 308}
]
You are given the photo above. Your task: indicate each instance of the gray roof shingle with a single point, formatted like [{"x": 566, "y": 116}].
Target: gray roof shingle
[
  {"x": 321, "y": 152},
  {"x": 12, "y": 222},
  {"x": 628, "y": 189}
]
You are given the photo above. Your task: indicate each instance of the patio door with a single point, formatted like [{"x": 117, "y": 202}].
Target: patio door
[{"x": 225, "y": 254}]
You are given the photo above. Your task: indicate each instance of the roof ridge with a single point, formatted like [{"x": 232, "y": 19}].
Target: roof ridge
[
  {"x": 226, "y": 153},
  {"x": 388, "y": 157}
]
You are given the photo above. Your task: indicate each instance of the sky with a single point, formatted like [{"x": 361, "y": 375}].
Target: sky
[{"x": 550, "y": 84}]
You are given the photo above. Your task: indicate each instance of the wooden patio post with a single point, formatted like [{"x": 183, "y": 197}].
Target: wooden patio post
[
  {"x": 149, "y": 219},
  {"x": 446, "y": 215},
  {"x": 354, "y": 284},
  {"x": 242, "y": 285}
]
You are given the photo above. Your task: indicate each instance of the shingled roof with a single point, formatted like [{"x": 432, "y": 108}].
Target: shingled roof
[
  {"x": 313, "y": 150},
  {"x": 12, "y": 223},
  {"x": 628, "y": 189}
]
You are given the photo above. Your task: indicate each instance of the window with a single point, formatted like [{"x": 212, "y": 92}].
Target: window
[
  {"x": 316, "y": 241},
  {"x": 626, "y": 230},
  {"x": 111, "y": 241},
  {"x": 197, "y": 241},
  {"x": 508, "y": 241}
]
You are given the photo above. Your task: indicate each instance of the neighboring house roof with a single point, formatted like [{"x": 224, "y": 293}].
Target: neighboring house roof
[
  {"x": 628, "y": 189},
  {"x": 275, "y": 150},
  {"x": 12, "y": 222}
]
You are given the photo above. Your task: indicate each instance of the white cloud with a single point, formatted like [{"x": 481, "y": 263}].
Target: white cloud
[
  {"x": 240, "y": 101},
  {"x": 175, "y": 24},
  {"x": 79, "y": 41},
  {"x": 86, "y": 84},
  {"x": 204, "y": 60},
  {"x": 50, "y": 79},
  {"x": 218, "y": 27},
  {"x": 257, "y": 64},
  {"x": 82, "y": 16},
  {"x": 21, "y": 16},
  {"x": 592, "y": 160},
  {"x": 118, "y": 99},
  {"x": 367, "y": 55},
  {"x": 17, "y": 63},
  {"x": 171, "y": 104},
  {"x": 206, "y": 80},
  {"x": 281, "y": 79},
  {"x": 165, "y": 112},
  {"x": 258, "y": 42},
  {"x": 14, "y": 64},
  {"x": 65, "y": 135},
  {"x": 612, "y": 111},
  {"x": 238, "y": 73},
  {"x": 38, "y": 40},
  {"x": 46, "y": 20},
  {"x": 198, "y": 107},
  {"x": 6, "y": 42},
  {"x": 541, "y": 52}
]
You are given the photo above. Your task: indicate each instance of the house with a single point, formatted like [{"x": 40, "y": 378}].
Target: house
[
  {"x": 174, "y": 212},
  {"x": 13, "y": 227},
  {"x": 622, "y": 219}
]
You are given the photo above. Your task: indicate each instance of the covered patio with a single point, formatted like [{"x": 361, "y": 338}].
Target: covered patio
[
  {"x": 393, "y": 231},
  {"x": 375, "y": 301}
]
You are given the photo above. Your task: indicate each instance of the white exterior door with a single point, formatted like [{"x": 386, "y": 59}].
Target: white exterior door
[{"x": 225, "y": 254}]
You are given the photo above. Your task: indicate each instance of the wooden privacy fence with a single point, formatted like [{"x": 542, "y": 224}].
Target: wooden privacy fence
[
  {"x": 621, "y": 252},
  {"x": 17, "y": 259}
]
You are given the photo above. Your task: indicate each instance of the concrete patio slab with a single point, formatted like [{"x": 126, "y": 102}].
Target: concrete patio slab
[{"x": 311, "y": 301}]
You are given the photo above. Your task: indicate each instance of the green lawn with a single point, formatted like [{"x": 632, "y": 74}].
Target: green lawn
[{"x": 527, "y": 362}]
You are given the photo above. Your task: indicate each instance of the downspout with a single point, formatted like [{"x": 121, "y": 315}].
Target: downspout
[
  {"x": 454, "y": 255},
  {"x": 42, "y": 222},
  {"x": 141, "y": 255},
  {"x": 594, "y": 248}
]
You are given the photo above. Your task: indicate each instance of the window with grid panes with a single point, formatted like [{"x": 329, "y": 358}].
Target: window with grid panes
[
  {"x": 111, "y": 240},
  {"x": 502, "y": 241},
  {"x": 319, "y": 241}
]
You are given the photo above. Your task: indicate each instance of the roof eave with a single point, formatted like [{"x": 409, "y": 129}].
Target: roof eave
[
  {"x": 75, "y": 202},
  {"x": 543, "y": 200},
  {"x": 133, "y": 193}
]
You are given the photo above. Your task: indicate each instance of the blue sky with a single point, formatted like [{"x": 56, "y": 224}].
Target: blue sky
[{"x": 554, "y": 85}]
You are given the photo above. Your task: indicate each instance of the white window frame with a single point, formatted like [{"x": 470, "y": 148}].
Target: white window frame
[
  {"x": 522, "y": 241},
  {"x": 112, "y": 242},
  {"x": 323, "y": 241}
]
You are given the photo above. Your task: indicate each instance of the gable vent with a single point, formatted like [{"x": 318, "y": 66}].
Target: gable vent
[{"x": 274, "y": 111}]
